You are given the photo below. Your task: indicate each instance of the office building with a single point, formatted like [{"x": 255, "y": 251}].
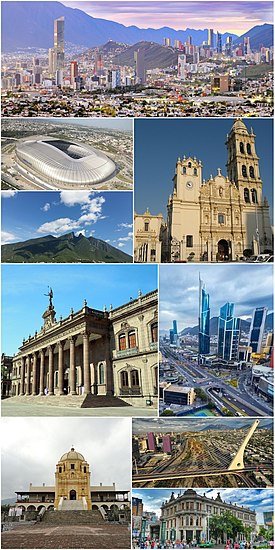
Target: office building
[
  {"x": 257, "y": 329},
  {"x": 204, "y": 320},
  {"x": 228, "y": 333},
  {"x": 139, "y": 66},
  {"x": 151, "y": 442},
  {"x": 166, "y": 444},
  {"x": 59, "y": 48}
]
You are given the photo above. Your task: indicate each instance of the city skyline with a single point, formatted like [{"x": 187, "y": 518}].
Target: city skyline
[
  {"x": 260, "y": 500},
  {"x": 99, "y": 284},
  {"x": 180, "y": 15},
  {"x": 183, "y": 301},
  {"x": 104, "y": 443},
  {"x": 180, "y": 425},
  {"x": 103, "y": 216}
]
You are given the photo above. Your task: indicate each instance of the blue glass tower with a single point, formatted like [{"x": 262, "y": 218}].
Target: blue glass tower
[
  {"x": 204, "y": 321},
  {"x": 257, "y": 329},
  {"x": 228, "y": 333}
]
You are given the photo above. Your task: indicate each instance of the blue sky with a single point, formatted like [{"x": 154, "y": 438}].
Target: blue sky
[
  {"x": 158, "y": 144},
  {"x": 260, "y": 500},
  {"x": 122, "y": 124},
  {"x": 235, "y": 17},
  {"x": 24, "y": 286},
  {"x": 224, "y": 283},
  {"x": 107, "y": 216}
]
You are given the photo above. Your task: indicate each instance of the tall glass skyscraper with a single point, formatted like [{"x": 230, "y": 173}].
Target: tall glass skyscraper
[
  {"x": 59, "y": 47},
  {"x": 228, "y": 333},
  {"x": 257, "y": 329},
  {"x": 204, "y": 320}
]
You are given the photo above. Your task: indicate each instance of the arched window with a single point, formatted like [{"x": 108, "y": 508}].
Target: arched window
[
  {"x": 244, "y": 171},
  {"x": 85, "y": 469},
  {"x": 146, "y": 226},
  {"x": 154, "y": 332},
  {"x": 251, "y": 172},
  {"x": 248, "y": 148},
  {"x": 134, "y": 378},
  {"x": 195, "y": 171},
  {"x": 132, "y": 339},
  {"x": 122, "y": 342},
  {"x": 101, "y": 373},
  {"x": 241, "y": 147},
  {"x": 254, "y": 196},
  {"x": 189, "y": 165},
  {"x": 246, "y": 195},
  {"x": 60, "y": 469},
  {"x": 184, "y": 170},
  {"x": 124, "y": 379}
]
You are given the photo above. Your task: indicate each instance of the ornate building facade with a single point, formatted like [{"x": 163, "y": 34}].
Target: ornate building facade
[
  {"x": 185, "y": 517},
  {"x": 223, "y": 218},
  {"x": 72, "y": 490},
  {"x": 97, "y": 353}
]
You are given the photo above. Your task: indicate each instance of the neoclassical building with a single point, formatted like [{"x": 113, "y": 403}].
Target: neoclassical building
[
  {"x": 221, "y": 219},
  {"x": 72, "y": 490},
  {"x": 92, "y": 353},
  {"x": 185, "y": 517}
]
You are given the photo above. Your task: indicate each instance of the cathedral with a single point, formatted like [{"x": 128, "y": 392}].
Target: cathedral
[{"x": 222, "y": 219}]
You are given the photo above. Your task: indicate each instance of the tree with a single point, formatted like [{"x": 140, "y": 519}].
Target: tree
[
  {"x": 225, "y": 523},
  {"x": 167, "y": 412}
]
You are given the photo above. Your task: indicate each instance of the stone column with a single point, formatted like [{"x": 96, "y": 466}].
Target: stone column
[
  {"x": 61, "y": 368},
  {"x": 51, "y": 370},
  {"x": 42, "y": 368},
  {"x": 72, "y": 380},
  {"x": 34, "y": 374},
  {"x": 109, "y": 367},
  {"x": 22, "y": 382},
  {"x": 86, "y": 363},
  {"x": 28, "y": 381}
]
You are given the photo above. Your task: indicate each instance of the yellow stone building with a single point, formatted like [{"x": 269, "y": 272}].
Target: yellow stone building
[{"x": 72, "y": 480}]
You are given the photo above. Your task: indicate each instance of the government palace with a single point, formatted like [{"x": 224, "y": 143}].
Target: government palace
[
  {"x": 222, "y": 219},
  {"x": 105, "y": 358}
]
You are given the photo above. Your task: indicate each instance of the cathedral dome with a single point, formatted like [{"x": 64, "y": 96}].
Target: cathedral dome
[
  {"x": 239, "y": 125},
  {"x": 72, "y": 455}
]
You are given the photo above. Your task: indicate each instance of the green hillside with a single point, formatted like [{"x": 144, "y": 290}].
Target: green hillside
[{"x": 154, "y": 56}]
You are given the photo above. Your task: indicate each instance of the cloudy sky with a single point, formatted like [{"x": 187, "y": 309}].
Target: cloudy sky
[
  {"x": 32, "y": 448},
  {"x": 24, "y": 288},
  {"x": 248, "y": 286},
  {"x": 106, "y": 216},
  {"x": 145, "y": 425},
  {"x": 227, "y": 16},
  {"x": 260, "y": 500}
]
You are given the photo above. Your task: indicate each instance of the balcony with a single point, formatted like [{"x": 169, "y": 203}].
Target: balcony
[
  {"x": 130, "y": 392},
  {"x": 127, "y": 352}
]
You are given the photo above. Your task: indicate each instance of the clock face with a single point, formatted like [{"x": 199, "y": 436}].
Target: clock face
[{"x": 189, "y": 185}]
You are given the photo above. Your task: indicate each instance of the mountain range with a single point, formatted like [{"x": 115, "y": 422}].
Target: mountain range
[
  {"x": 214, "y": 321},
  {"x": 67, "y": 248},
  {"x": 29, "y": 24}
]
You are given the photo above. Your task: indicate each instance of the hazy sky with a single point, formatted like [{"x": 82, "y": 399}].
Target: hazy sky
[
  {"x": 106, "y": 216},
  {"x": 31, "y": 449},
  {"x": 141, "y": 425},
  {"x": 24, "y": 286},
  {"x": 260, "y": 500},
  {"x": 179, "y": 290},
  {"x": 231, "y": 16},
  {"x": 122, "y": 124}
]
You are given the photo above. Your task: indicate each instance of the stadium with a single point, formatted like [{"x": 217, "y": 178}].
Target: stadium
[{"x": 58, "y": 162}]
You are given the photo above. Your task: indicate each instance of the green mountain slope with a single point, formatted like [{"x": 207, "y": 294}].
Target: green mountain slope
[
  {"x": 65, "y": 249},
  {"x": 154, "y": 56}
]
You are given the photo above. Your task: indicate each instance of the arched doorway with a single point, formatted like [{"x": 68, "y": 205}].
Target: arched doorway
[
  {"x": 223, "y": 254},
  {"x": 72, "y": 494}
]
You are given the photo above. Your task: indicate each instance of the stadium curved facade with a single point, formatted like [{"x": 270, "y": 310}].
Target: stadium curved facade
[{"x": 58, "y": 161}]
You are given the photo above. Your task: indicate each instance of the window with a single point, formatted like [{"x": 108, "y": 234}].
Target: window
[
  {"x": 72, "y": 466},
  {"x": 251, "y": 172},
  {"x": 189, "y": 241},
  {"x": 124, "y": 379},
  {"x": 146, "y": 226},
  {"x": 241, "y": 147},
  {"x": 246, "y": 195},
  {"x": 220, "y": 218},
  {"x": 248, "y": 148},
  {"x": 85, "y": 470},
  {"x": 254, "y": 196},
  {"x": 122, "y": 342},
  {"x": 101, "y": 373},
  {"x": 153, "y": 255},
  {"x": 184, "y": 170},
  {"x": 244, "y": 171},
  {"x": 154, "y": 332},
  {"x": 189, "y": 165},
  {"x": 132, "y": 339},
  {"x": 60, "y": 469},
  {"x": 195, "y": 171},
  {"x": 134, "y": 378}
]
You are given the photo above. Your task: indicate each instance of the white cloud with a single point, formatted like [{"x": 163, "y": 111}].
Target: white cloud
[
  {"x": 121, "y": 245},
  {"x": 124, "y": 225},
  {"x": 58, "y": 227},
  {"x": 46, "y": 207},
  {"x": 7, "y": 237},
  {"x": 128, "y": 238},
  {"x": 92, "y": 212},
  {"x": 81, "y": 232},
  {"x": 107, "y": 241},
  {"x": 71, "y": 198},
  {"x": 8, "y": 194}
]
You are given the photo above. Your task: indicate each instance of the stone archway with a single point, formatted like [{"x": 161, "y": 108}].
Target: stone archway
[
  {"x": 224, "y": 252},
  {"x": 72, "y": 494}
]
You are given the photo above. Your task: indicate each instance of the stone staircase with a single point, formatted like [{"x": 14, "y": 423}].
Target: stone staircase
[
  {"x": 97, "y": 401},
  {"x": 73, "y": 517},
  {"x": 71, "y": 505},
  {"x": 51, "y": 400}
]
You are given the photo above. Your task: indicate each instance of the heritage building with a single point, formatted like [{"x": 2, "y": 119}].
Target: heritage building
[
  {"x": 93, "y": 354},
  {"x": 221, "y": 219},
  {"x": 72, "y": 490},
  {"x": 186, "y": 517}
]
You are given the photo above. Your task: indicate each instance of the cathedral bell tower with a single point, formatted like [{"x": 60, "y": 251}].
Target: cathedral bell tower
[
  {"x": 72, "y": 482},
  {"x": 243, "y": 164}
]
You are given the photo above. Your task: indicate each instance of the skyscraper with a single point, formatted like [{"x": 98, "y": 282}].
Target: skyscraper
[
  {"x": 139, "y": 65},
  {"x": 210, "y": 38},
  {"x": 74, "y": 71},
  {"x": 59, "y": 43},
  {"x": 204, "y": 320},
  {"x": 228, "y": 333},
  {"x": 257, "y": 329},
  {"x": 166, "y": 444},
  {"x": 151, "y": 441},
  {"x": 175, "y": 328},
  {"x": 228, "y": 46},
  {"x": 219, "y": 42}
]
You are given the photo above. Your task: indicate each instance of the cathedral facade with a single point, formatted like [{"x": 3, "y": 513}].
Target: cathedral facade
[{"x": 222, "y": 219}]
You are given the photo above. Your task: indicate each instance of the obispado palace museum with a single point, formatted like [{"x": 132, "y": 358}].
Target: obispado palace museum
[
  {"x": 102, "y": 357},
  {"x": 220, "y": 219}
]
